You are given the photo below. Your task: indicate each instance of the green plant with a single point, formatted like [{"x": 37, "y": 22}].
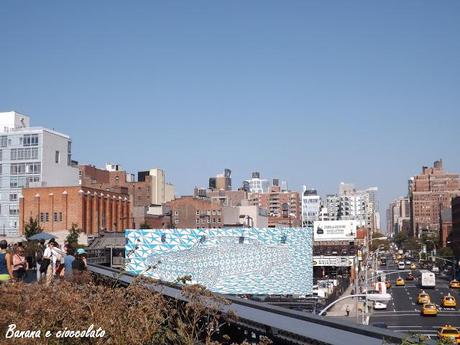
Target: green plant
[
  {"x": 72, "y": 237},
  {"x": 145, "y": 226},
  {"x": 32, "y": 228}
]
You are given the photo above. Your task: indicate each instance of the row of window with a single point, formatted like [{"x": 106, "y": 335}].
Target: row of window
[
  {"x": 25, "y": 140},
  {"x": 25, "y": 168},
  {"x": 23, "y": 154},
  {"x": 44, "y": 217},
  {"x": 207, "y": 220},
  {"x": 23, "y": 181}
]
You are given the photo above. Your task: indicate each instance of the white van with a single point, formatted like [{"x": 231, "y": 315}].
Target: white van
[{"x": 401, "y": 265}]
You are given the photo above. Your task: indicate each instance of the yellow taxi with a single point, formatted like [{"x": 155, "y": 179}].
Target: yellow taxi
[
  {"x": 423, "y": 298},
  {"x": 388, "y": 284},
  {"x": 454, "y": 284},
  {"x": 449, "y": 301},
  {"x": 413, "y": 266},
  {"x": 449, "y": 332},
  {"x": 400, "y": 282},
  {"x": 429, "y": 309}
]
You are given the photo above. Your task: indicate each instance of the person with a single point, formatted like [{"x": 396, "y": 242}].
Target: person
[
  {"x": 79, "y": 264},
  {"x": 348, "y": 310},
  {"x": 6, "y": 267},
  {"x": 68, "y": 261},
  {"x": 39, "y": 257},
  {"x": 20, "y": 264},
  {"x": 52, "y": 257}
]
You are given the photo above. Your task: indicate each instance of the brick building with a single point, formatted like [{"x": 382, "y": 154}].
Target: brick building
[
  {"x": 429, "y": 193},
  {"x": 445, "y": 219},
  {"x": 284, "y": 207},
  {"x": 150, "y": 190},
  {"x": 191, "y": 212},
  {"x": 455, "y": 234},
  {"x": 57, "y": 208}
]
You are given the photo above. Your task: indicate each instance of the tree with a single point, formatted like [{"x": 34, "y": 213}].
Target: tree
[
  {"x": 32, "y": 228},
  {"x": 145, "y": 226},
  {"x": 446, "y": 252},
  {"x": 400, "y": 238},
  {"x": 72, "y": 237}
]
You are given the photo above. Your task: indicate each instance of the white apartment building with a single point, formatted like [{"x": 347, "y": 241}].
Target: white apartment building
[
  {"x": 359, "y": 205},
  {"x": 258, "y": 185},
  {"x": 29, "y": 156},
  {"x": 311, "y": 206}
]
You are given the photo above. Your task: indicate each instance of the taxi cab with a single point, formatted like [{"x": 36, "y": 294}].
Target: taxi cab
[
  {"x": 454, "y": 284},
  {"x": 429, "y": 309},
  {"x": 449, "y": 332},
  {"x": 423, "y": 298},
  {"x": 388, "y": 284},
  {"x": 400, "y": 282},
  {"x": 449, "y": 301},
  {"x": 413, "y": 266}
]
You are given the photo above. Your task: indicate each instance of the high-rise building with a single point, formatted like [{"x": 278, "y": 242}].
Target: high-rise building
[
  {"x": 258, "y": 185},
  {"x": 332, "y": 206},
  {"x": 311, "y": 205},
  {"x": 359, "y": 205},
  {"x": 158, "y": 184},
  {"x": 398, "y": 216},
  {"x": 221, "y": 181},
  {"x": 29, "y": 156},
  {"x": 284, "y": 207},
  {"x": 429, "y": 193}
]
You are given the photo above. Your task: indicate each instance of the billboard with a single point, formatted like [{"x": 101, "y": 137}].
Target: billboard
[
  {"x": 335, "y": 230},
  {"x": 337, "y": 261},
  {"x": 229, "y": 260}
]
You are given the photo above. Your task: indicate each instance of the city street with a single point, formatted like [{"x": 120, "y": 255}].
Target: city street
[{"x": 403, "y": 312}]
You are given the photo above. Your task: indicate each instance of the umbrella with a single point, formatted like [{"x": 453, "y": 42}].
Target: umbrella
[{"x": 41, "y": 236}]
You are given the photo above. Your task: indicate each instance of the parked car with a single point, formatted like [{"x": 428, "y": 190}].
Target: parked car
[{"x": 379, "y": 306}]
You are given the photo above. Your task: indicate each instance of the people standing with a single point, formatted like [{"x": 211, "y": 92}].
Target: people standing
[
  {"x": 39, "y": 258},
  {"x": 6, "y": 266},
  {"x": 79, "y": 264},
  {"x": 52, "y": 257},
  {"x": 348, "y": 310},
  {"x": 68, "y": 261},
  {"x": 20, "y": 264}
]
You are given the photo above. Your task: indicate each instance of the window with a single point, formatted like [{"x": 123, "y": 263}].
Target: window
[
  {"x": 24, "y": 153},
  {"x": 1, "y": 155},
  {"x": 14, "y": 210},
  {"x": 1, "y": 169},
  {"x": 176, "y": 221},
  {"x": 3, "y": 141},
  {"x": 57, "y": 157},
  {"x": 13, "y": 197},
  {"x": 42, "y": 217},
  {"x": 30, "y": 140},
  {"x": 214, "y": 220},
  {"x": 60, "y": 216},
  {"x": 47, "y": 217},
  {"x": 218, "y": 220},
  {"x": 176, "y": 213},
  {"x": 198, "y": 220},
  {"x": 55, "y": 216},
  {"x": 197, "y": 212}
]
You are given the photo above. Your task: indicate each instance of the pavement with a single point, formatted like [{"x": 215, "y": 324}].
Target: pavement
[{"x": 340, "y": 308}]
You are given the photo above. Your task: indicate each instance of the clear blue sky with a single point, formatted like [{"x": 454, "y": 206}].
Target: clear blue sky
[{"x": 312, "y": 92}]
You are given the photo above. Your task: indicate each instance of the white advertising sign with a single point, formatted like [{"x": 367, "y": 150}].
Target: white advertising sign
[
  {"x": 335, "y": 230},
  {"x": 338, "y": 261}
]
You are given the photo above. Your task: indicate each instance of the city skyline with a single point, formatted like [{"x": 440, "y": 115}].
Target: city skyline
[{"x": 362, "y": 93}]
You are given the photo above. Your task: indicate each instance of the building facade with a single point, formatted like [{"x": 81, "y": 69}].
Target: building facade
[
  {"x": 454, "y": 237},
  {"x": 284, "y": 207},
  {"x": 221, "y": 181},
  {"x": 429, "y": 193},
  {"x": 92, "y": 210},
  {"x": 192, "y": 212},
  {"x": 257, "y": 185},
  {"x": 30, "y": 156},
  {"x": 398, "y": 216},
  {"x": 311, "y": 206}
]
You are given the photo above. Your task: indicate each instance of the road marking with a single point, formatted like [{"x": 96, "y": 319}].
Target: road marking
[{"x": 404, "y": 326}]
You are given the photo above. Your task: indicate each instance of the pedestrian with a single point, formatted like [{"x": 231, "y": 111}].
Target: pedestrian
[
  {"x": 348, "y": 310},
  {"x": 39, "y": 258},
  {"x": 69, "y": 258},
  {"x": 52, "y": 258},
  {"x": 20, "y": 264},
  {"x": 79, "y": 264},
  {"x": 6, "y": 266}
]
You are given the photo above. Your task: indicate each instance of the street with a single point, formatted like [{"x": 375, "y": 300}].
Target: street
[{"x": 403, "y": 312}]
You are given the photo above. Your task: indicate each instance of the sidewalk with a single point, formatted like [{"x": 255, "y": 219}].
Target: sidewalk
[{"x": 340, "y": 309}]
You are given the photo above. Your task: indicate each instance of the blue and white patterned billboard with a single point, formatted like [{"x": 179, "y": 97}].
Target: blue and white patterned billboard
[{"x": 230, "y": 260}]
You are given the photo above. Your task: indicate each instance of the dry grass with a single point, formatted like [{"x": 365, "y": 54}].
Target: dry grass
[{"x": 133, "y": 315}]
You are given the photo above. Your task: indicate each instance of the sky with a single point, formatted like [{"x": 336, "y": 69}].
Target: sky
[{"x": 312, "y": 92}]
